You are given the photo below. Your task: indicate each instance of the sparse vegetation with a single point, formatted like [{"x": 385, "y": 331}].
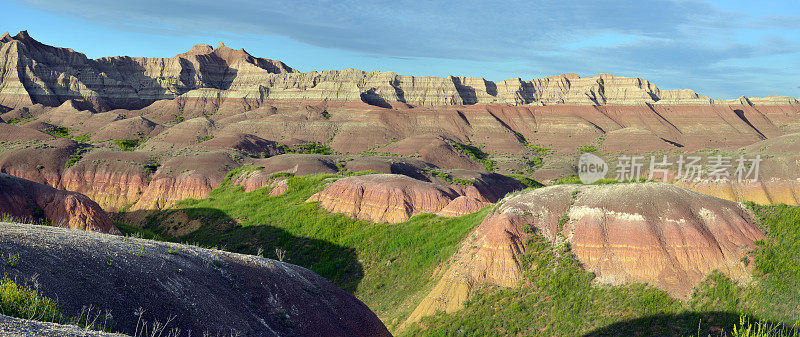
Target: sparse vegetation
[
  {"x": 277, "y": 175},
  {"x": 204, "y": 138},
  {"x": 151, "y": 166},
  {"x": 12, "y": 260},
  {"x": 19, "y": 300},
  {"x": 14, "y": 121},
  {"x": 59, "y": 131},
  {"x": 476, "y": 154},
  {"x": 84, "y": 138},
  {"x": 76, "y": 157},
  {"x": 574, "y": 179},
  {"x": 447, "y": 177},
  {"x": 314, "y": 148},
  {"x": 588, "y": 148},
  {"x": 527, "y": 181},
  {"x": 127, "y": 144}
]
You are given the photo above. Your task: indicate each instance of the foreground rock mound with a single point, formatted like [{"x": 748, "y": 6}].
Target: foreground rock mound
[
  {"x": 653, "y": 233},
  {"x": 205, "y": 290},
  {"x": 24, "y": 199}
]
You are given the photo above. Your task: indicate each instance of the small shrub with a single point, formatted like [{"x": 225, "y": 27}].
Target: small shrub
[
  {"x": 20, "y": 300},
  {"x": 204, "y": 138},
  {"x": 84, "y": 138},
  {"x": 12, "y": 260},
  {"x": 75, "y": 157},
  {"x": 314, "y": 148},
  {"x": 281, "y": 175},
  {"x": 127, "y": 144},
  {"x": 59, "y": 131},
  {"x": 563, "y": 221},
  {"x": 151, "y": 166},
  {"x": 587, "y": 148}
]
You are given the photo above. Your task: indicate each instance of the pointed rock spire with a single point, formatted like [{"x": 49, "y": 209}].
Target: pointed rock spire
[{"x": 23, "y": 35}]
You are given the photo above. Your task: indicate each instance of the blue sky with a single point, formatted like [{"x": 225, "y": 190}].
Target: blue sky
[{"x": 723, "y": 49}]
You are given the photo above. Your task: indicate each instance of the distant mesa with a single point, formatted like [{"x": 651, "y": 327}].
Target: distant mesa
[{"x": 62, "y": 74}]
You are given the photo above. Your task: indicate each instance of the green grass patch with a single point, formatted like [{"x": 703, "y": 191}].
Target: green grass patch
[
  {"x": 151, "y": 166},
  {"x": 59, "y": 131},
  {"x": 127, "y": 144},
  {"x": 476, "y": 154},
  {"x": 314, "y": 148},
  {"x": 574, "y": 179},
  {"x": 527, "y": 181},
  {"x": 75, "y": 157},
  {"x": 447, "y": 177},
  {"x": 83, "y": 138},
  {"x": 587, "y": 148},
  {"x": 389, "y": 267},
  {"x": 19, "y": 300}
]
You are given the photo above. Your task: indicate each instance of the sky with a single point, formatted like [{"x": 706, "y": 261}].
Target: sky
[{"x": 720, "y": 48}]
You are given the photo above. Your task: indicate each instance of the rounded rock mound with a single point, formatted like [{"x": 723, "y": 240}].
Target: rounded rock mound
[
  {"x": 384, "y": 197},
  {"x": 207, "y": 292},
  {"x": 24, "y": 199},
  {"x": 654, "y": 233}
]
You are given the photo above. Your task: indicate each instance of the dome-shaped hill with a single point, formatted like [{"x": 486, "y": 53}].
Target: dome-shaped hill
[{"x": 129, "y": 128}]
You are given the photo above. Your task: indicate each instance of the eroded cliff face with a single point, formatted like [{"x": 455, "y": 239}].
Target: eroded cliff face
[
  {"x": 653, "y": 233},
  {"x": 29, "y": 201},
  {"x": 37, "y": 73}
]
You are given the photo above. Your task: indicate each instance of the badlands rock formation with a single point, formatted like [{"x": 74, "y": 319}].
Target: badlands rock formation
[
  {"x": 253, "y": 296},
  {"x": 195, "y": 116},
  {"x": 653, "y": 233},
  {"x": 396, "y": 198},
  {"x": 23, "y": 199},
  {"x": 37, "y": 73}
]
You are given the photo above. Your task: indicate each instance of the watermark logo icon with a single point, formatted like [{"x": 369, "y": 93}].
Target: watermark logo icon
[{"x": 591, "y": 168}]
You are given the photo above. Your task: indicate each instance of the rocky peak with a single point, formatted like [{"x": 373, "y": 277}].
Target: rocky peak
[
  {"x": 199, "y": 49},
  {"x": 5, "y": 38}
]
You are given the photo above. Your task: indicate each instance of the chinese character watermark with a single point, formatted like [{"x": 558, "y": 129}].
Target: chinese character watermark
[{"x": 689, "y": 168}]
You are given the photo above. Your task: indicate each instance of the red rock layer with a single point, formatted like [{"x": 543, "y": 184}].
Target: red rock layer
[{"x": 28, "y": 200}]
